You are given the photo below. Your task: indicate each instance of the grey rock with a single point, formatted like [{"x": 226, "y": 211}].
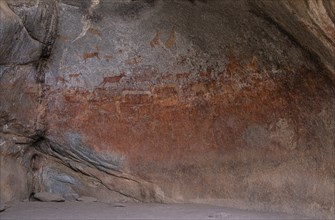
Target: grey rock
[
  {"x": 18, "y": 85},
  {"x": 16, "y": 45},
  {"x": 71, "y": 196},
  {"x": 305, "y": 26},
  {"x": 58, "y": 181},
  {"x": 41, "y": 23},
  {"x": 48, "y": 197},
  {"x": 3, "y": 207},
  {"x": 87, "y": 199}
]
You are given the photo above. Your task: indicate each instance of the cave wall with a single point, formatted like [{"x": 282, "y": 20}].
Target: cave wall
[
  {"x": 168, "y": 101},
  {"x": 311, "y": 25}
]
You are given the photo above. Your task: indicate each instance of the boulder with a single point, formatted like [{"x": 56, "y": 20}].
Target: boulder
[{"x": 48, "y": 197}]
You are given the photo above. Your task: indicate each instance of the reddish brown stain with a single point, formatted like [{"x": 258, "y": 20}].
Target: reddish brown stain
[
  {"x": 253, "y": 65},
  {"x": 205, "y": 74},
  {"x": 74, "y": 75},
  {"x": 199, "y": 124},
  {"x": 155, "y": 41},
  {"x": 183, "y": 75},
  {"x": 143, "y": 77},
  {"x": 165, "y": 91},
  {"x": 134, "y": 60},
  {"x": 137, "y": 98},
  {"x": 91, "y": 55},
  {"x": 167, "y": 77},
  {"x": 63, "y": 38},
  {"x": 95, "y": 32},
  {"x": 111, "y": 79},
  {"x": 108, "y": 57},
  {"x": 172, "y": 40},
  {"x": 233, "y": 66},
  {"x": 61, "y": 79},
  {"x": 145, "y": 120}
]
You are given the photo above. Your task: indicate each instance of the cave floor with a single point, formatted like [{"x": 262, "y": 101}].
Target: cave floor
[{"x": 82, "y": 210}]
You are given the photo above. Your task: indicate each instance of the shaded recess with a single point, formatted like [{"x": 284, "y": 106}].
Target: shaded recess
[{"x": 220, "y": 102}]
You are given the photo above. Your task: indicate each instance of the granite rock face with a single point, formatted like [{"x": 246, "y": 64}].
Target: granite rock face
[{"x": 224, "y": 102}]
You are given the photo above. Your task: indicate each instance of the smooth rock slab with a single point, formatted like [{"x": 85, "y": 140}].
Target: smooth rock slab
[
  {"x": 48, "y": 197},
  {"x": 87, "y": 199}
]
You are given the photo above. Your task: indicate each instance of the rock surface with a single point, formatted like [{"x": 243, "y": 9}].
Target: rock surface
[
  {"x": 48, "y": 197},
  {"x": 71, "y": 196},
  {"x": 311, "y": 25},
  {"x": 82, "y": 210},
  {"x": 87, "y": 199},
  {"x": 17, "y": 46},
  {"x": 3, "y": 207},
  {"x": 131, "y": 101}
]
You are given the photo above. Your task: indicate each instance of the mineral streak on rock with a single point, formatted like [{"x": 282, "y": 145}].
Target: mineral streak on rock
[{"x": 222, "y": 102}]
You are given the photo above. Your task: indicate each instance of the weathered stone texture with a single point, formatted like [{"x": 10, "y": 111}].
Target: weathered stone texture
[
  {"x": 174, "y": 101},
  {"x": 20, "y": 110},
  {"x": 17, "y": 46},
  {"x": 48, "y": 197},
  {"x": 311, "y": 25}
]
